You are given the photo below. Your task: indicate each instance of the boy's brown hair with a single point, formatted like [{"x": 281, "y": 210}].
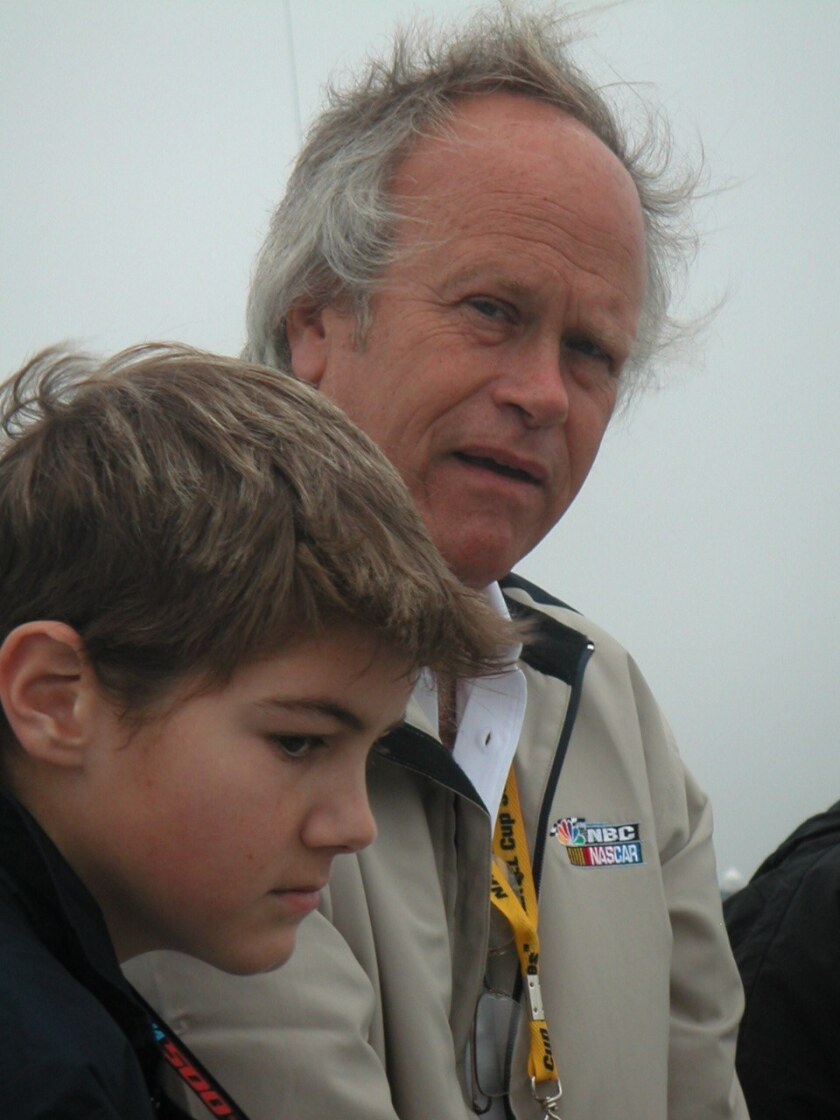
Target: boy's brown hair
[{"x": 187, "y": 513}]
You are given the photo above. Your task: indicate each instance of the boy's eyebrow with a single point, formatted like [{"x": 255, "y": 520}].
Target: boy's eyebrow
[
  {"x": 336, "y": 711},
  {"x": 321, "y": 707}
]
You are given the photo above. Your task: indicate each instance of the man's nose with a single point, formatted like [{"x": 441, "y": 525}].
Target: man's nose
[{"x": 535, "y": 385}]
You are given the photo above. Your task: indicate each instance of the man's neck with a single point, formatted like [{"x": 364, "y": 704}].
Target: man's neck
[{"x": 447, "y": 711}]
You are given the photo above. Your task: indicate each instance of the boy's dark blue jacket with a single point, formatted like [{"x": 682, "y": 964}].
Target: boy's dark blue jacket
[{"x": 74, "y": 1041}]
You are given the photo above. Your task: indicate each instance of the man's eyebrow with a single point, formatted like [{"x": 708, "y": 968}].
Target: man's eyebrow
[{"x": 488, "y": 273}]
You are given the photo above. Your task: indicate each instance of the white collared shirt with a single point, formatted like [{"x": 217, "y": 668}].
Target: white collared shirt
[{"x": 489, "y": 713}]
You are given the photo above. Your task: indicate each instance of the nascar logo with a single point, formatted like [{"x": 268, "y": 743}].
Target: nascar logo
[{"x": 597, "y": 844}]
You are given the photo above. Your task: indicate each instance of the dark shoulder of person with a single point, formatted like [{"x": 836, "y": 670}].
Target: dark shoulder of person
[
  {"x": 62, "y": 1055},
  {"x": 784, "y": 927}
]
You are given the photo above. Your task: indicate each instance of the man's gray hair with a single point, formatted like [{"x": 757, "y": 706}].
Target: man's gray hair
[{"x": 332, "y": 235}]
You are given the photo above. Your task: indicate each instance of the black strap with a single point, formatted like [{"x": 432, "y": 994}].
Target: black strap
[{"x": 196, "y": 1076}]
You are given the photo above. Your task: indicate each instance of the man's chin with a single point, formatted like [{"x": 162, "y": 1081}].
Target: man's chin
[{"x": 484, "y": 562}]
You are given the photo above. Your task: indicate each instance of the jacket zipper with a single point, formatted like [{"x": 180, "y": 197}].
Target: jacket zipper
[
  {"x": 557, "y": 765},
  {"x": 545, "y": 808}
]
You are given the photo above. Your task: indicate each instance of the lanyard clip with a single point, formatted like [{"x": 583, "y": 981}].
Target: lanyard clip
[
  {"x": 550, "y": 1102},
  {"x": 535, "y": 1004}
]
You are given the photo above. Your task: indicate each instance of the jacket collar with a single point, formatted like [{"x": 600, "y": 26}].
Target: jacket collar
[
  {"x": 65, "y": 917},
  {"x": 553, "y": 649}
]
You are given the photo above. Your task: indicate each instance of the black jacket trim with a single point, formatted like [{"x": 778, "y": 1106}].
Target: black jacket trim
[
  {"x": 416, "y": 751},
  {"x": 538, "y": 594},
  {"x": 557, "y": 764},
  {"x": 554, "y": 649}
]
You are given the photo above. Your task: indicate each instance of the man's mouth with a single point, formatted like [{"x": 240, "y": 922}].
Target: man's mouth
[{"x": 507, "y": 469}]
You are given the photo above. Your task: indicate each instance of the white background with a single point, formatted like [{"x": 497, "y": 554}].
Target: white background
[{"x": 144, "y": 144}]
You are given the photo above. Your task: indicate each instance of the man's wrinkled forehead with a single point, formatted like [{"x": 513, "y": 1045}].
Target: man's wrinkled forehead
[
  {"x": 484, "y": 155},
  {"x": 510, "y": 188},
  {"x": 480, "y": 124}
]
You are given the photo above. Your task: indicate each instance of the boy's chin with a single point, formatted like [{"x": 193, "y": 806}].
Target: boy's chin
[{"x": 262, "y": 959}]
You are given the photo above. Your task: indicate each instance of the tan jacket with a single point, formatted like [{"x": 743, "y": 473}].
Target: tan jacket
[{"x": 371, "y": 1018}]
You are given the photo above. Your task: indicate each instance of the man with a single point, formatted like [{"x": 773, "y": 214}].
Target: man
[{"x": 470, "y": 261}]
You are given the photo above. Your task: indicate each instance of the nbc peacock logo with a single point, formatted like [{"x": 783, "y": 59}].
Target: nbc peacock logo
[{"x": 570, "y": 831}]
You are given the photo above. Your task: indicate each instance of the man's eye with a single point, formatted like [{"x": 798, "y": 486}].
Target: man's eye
[
  {"x": 589, "y": 349},
  {"x": 489, "y": 308},
  {"x": 297, "y": 746}
]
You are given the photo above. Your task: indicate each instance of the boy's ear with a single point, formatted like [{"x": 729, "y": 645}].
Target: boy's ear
[
  {"x": 45, "y": 689},
  {"x": 307, "y": 335}
]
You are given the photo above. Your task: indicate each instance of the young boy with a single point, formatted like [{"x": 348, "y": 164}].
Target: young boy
[{"x": 214, "y": 595}]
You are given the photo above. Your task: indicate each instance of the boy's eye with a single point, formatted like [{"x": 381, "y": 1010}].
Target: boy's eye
[{"x": 297, "y": 746}]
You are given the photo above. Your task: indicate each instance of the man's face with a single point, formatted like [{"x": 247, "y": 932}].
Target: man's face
[
  {"x": 491, "y": 367},
  {"x": 211, "y": 830}
]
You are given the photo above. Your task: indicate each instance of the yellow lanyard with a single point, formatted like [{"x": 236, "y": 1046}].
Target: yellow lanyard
[{"x": 512, "y": 864}]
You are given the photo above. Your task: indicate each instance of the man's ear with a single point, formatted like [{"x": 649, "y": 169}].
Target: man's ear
[
  {"x": 308, "y": 343},
  {"x": 45, "y": 689}
]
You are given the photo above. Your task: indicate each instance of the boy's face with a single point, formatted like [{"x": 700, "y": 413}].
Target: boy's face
[{"x": 212, "y": 830}]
